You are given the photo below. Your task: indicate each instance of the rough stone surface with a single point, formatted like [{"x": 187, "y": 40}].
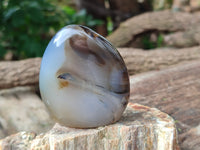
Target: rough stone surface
[
  {"x": 22, "y": 110},
  {"x": 140, "y": 128},
  {"x": 20, "y": 141}
]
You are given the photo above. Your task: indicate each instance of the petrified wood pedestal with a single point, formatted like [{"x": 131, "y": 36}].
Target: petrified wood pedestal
[{"x": 140, "y": 128}]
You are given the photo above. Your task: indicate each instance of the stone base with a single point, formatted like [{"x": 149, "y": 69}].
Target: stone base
[{"x": 140, "y": 128}]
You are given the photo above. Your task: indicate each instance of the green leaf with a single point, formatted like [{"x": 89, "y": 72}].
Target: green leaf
[
  {"x": 2, "y": 52},
  {"x": 29, "y": 25},
  {"x": 109, "y": 25},
  {"x": 94, "y": 22},
  {"x": 35, "y": 15},
  {"x": 69, "y": 10},
  {"x": 18, "y": 18},
  {"x": 160, "y": 40},
  {"x": 7, "y": 14}
]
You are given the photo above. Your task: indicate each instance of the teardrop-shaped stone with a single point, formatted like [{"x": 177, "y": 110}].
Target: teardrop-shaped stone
[{"x": 83, "y": 79}]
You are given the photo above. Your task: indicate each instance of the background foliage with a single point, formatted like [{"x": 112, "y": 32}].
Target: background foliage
[{"x": 27, "y": 26}]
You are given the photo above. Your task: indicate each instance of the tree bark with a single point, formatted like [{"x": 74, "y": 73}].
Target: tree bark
[
  {"x": 26, "y": 72},
  {"x": 162, "y": 21}
]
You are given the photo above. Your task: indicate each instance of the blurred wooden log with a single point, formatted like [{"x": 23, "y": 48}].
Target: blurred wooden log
[
  {"x": 19, "y": 73},
  {"x": 138, "y": 61},
  {"x": 188, "y": 38},
  {"x": 126, "y": 9},
  {"x": 165, "y": 21},
  {"x": 26, "y": 72},
  {"x": 175, "y": 90},
  {"x": 140, "y": 128}
]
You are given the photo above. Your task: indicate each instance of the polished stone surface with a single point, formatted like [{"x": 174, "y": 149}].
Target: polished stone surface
[{"x": 83, "y": 79}]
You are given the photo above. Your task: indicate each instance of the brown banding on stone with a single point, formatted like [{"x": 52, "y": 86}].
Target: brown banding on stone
[
  {"x": 63, "y": 84},
  {"x": 80, "y": 46}
]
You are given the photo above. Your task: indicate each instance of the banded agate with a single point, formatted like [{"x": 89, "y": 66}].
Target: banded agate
[{"x": 83, "y": 79}]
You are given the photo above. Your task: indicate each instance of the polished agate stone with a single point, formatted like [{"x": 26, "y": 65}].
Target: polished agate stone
[{"x": 83, "y": 79}]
